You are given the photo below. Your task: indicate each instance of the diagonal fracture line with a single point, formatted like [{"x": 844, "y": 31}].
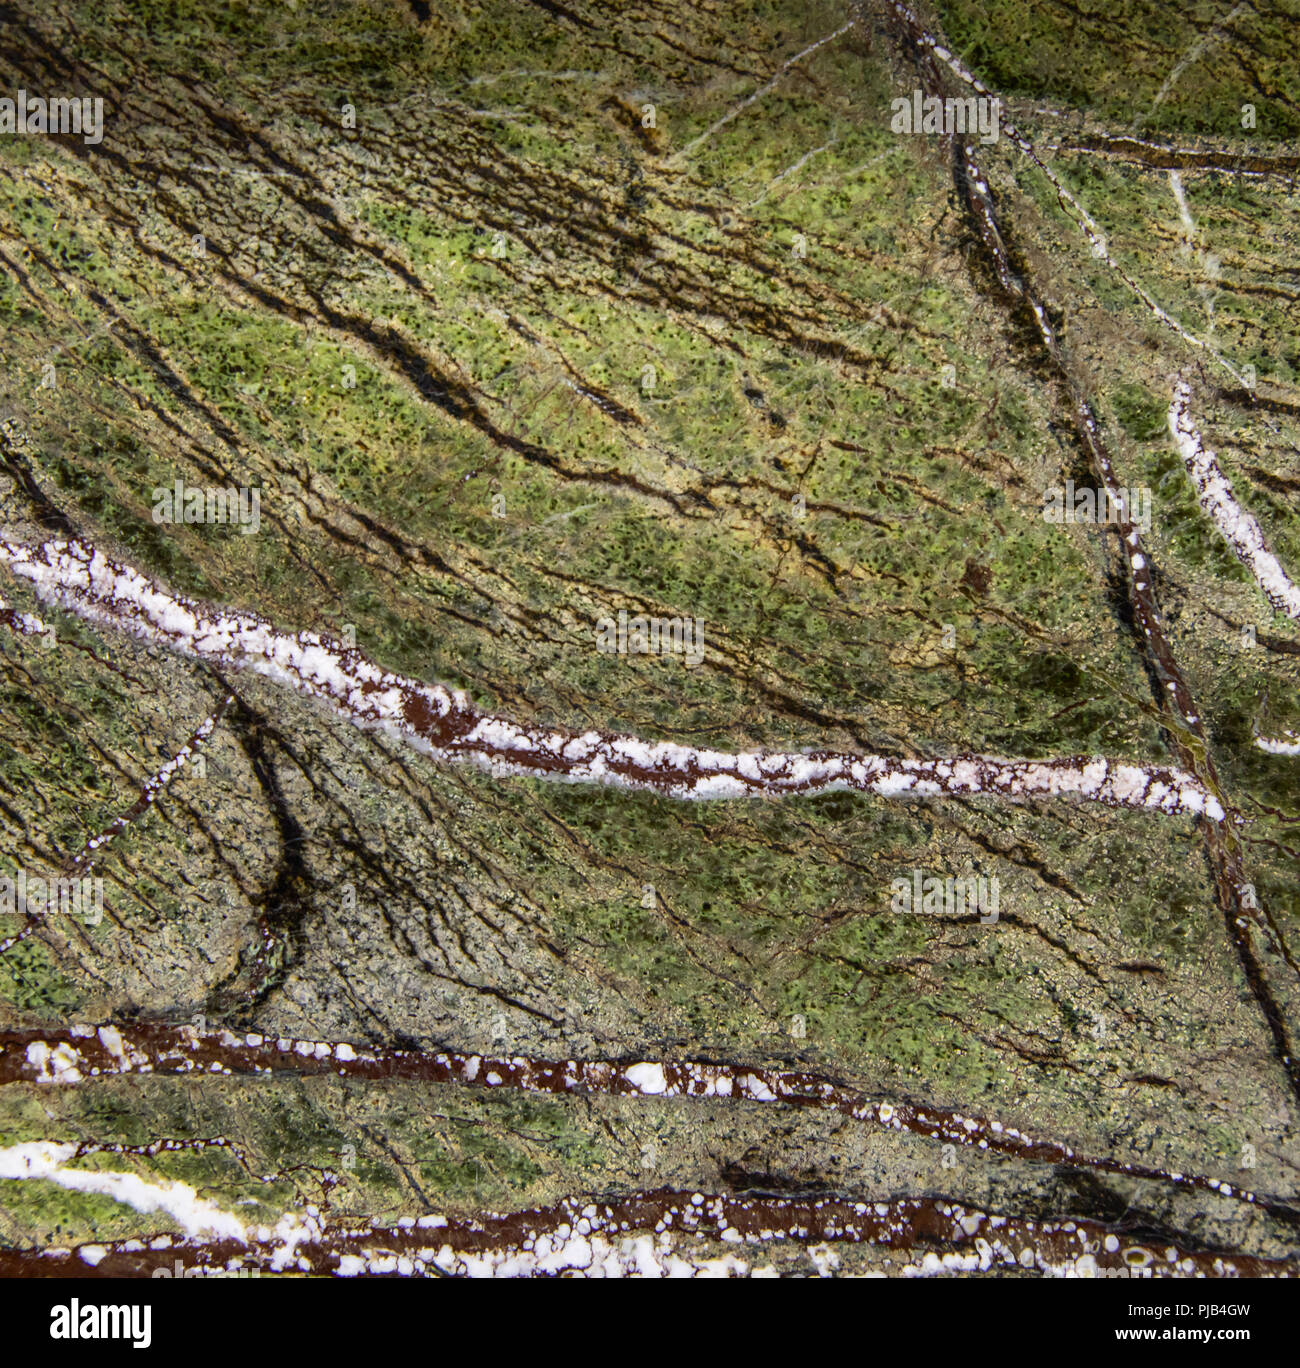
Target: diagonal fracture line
[
  {"x": 1239, "y": 528},
  {"x": 760, "y": 92},
  {"x": 1184, "y": 212},
  {"x": 443, "y": 722},
  {"x": 1207, "y": 263},
  {"x": 1192, "y": 55},
  {"x": 792, "y": 170},
  {"x": 152, "y": 791}
]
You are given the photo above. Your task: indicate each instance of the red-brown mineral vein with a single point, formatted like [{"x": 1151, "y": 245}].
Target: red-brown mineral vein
[
  {"x": 660, "y": 1233},
  {"x": 74, "y": 1054}
]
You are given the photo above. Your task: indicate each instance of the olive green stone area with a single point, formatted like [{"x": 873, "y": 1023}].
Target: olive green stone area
[{"x": 516, "y": 316}]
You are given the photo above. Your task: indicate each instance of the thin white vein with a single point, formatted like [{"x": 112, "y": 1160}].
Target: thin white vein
[
  {"x": 1184, "y": 212},
  {"x": 43, "y": 1159},
  {"x": 1238, "y": 527},
  {"x": 761, "y": 91},
  {"x": 792, "y": 170},
  {"x": 1191, "y": 56}
]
